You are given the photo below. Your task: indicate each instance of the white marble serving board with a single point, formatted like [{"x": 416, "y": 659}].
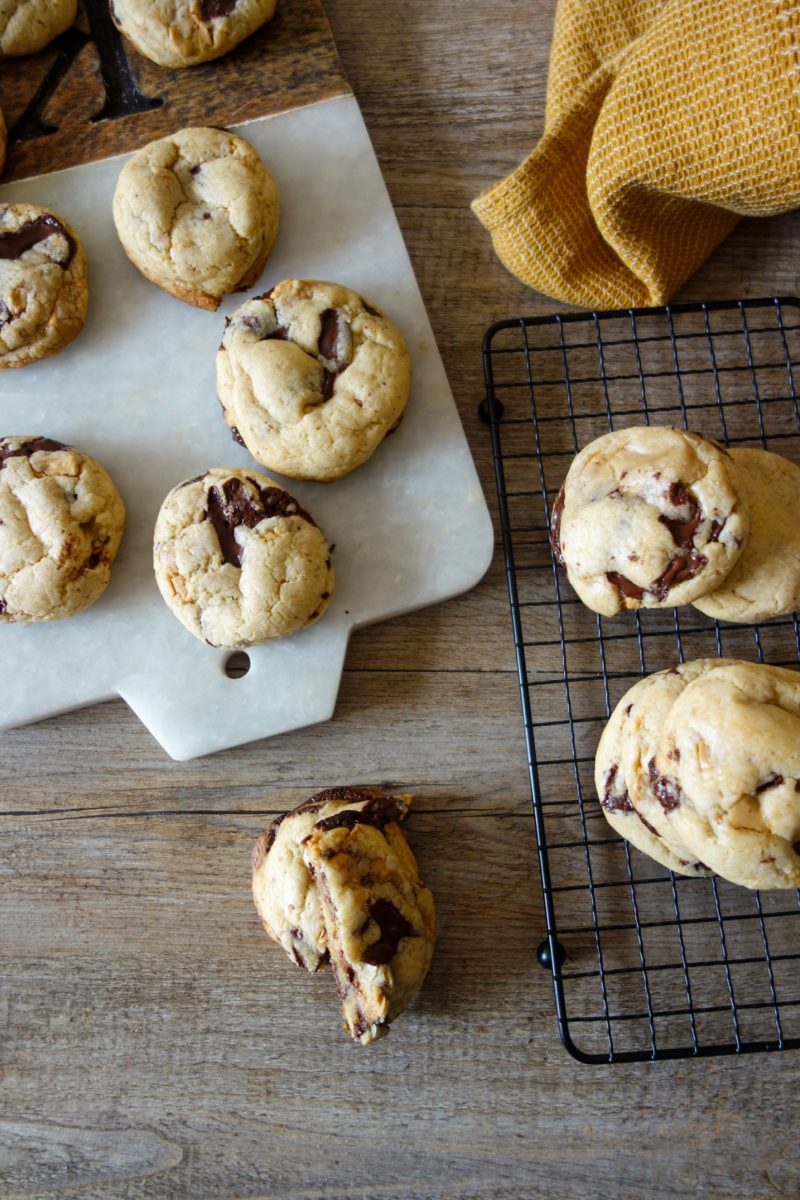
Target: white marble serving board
[{"x": 137, "y": 391}]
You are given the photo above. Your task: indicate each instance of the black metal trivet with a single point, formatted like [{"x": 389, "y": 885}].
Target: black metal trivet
[{"x": 656, "y": 965}]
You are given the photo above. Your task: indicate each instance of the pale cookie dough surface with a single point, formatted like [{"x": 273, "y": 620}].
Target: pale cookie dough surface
[
  {"x": 197, "y": 213},
  {"x": 44, "y": 293},
  {"x": 312, "y": 378},
  {"x": 765, "y": 582},
  {"x": 237, "y": 559},
  {"x": 648, "y": 517},
  {"x": 28, "y": 25},
  {"x": 615, "y": 776},
  {"x": 379, "y": 917},
  {"x": 61, "y": 522},
  {"x": 285, "y": 895},
  {"x": 183, "y": 33},
  {"x": 728, "y": 771}
]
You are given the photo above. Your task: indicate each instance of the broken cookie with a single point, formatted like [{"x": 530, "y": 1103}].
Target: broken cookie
[{"x": 336, "y": 880}]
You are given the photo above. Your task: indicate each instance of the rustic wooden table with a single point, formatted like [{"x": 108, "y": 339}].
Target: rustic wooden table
[{"x": 155, "y": 1044}]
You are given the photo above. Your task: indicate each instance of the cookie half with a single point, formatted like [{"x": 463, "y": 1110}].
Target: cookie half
[
  {"x": 61, "y": 522},
  {"x": 28, "y": 25},
  {"x": 183, "y": 33},
  {"x": 284, "y": 892},
  {"x": 379, "y": 917},
  {"x": 197, "y": 213},
  {"x": 765, "y": 581},
  {"x": 621, "y": 772},
  {"x": 727, "y": 767},
  {"x": 312, "y": 378},
  {"x": 238, "y": 561},
  {"x": 44, "y": 293},
  {"x": 648, "y": 517}
]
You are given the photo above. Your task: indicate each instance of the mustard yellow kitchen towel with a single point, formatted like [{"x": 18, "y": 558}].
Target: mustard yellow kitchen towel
[{"x": 666, "y": 121}]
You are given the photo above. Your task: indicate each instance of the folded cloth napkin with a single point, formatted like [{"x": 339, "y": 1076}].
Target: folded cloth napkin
[{"x": 666, "y": 121}]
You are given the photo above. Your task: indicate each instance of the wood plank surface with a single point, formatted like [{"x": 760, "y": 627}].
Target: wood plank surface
[{"x": 155, "y": 1043}]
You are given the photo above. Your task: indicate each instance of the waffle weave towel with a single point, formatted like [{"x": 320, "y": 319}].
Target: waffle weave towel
[{"x": 666, "y": 121}]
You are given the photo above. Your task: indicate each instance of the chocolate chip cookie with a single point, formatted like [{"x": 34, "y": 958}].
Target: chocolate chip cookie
[
  {"x": 727, "y": 770},
  {"x": 197, "y": 213},
  {"x": 61, "y": 521},
  {"x": 312, "y": 378},
  {"x": 621, "y": 772},
  {"x": 28, "y": 25},
  {"x": 379, "y": 917},
  {"x": 765, "y": 581},
  {"x": 285, "y": 895},
  {"x": 648, "y": 517},
  {"x": 3, "y": 140},
  {"x": 238, "y": 561},
  {"x": 183, "y": 33},
  {"x": 44, "y": 294}
]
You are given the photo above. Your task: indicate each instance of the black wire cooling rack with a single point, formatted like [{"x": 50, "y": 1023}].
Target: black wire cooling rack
[{"x": 645, "y": 964}]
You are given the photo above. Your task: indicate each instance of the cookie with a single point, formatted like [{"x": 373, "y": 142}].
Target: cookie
[
  {"x": 183, "y": 33},
  {"x": 285, "y": 895},
  {"x": 648, "y": 517},
  {"x": 3, "y": 140},
  {"x": 621, "y": 772},
  {"x": 197, "y": 213},
  {"x": 312, "y": 378},
  {"x": 765, "y": 582},
  {"x": 727, "y": 771},
  {"x": 61, "y": 522},
  {"x": 28, "y": 25},
  {"x": 44, "y": 294},
  {"x": 378, "y": 915},
  {"x": 238, "y": 561}
]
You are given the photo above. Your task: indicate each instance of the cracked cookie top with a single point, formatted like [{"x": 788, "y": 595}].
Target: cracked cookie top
[
  {"x": 61, "y": 522},
  {"x": 182, "y": 33},
  {"x": 648, "y": 517},
  {"x": 197, "y": 212},
  {"x": 238, "y": 561},
  {"x": 28, "y": 25},
  {"x": 312, "y": 378},
  {"x": 43, "y": 289}
]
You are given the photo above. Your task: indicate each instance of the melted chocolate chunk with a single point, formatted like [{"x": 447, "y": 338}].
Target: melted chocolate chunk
[
  {"x": 237, "y": 437},
  {"x": 209, "y": 9},
  {"x": 232, "y": 506},
  {"x": 678, "y": 495},
  {"x": 647, "y": 825},
  {"x": 373, "y": 312},
  {"x": 194, "y": 479},
  {"x": 775, "y": 781},
  {"x": 625, "y": 586},
  {"x": 331, "y": 323},
  {"x": 614, "y": 803},
  {"x": 196, "y": 169},
  {"x": 279, "y": 334},
  {"x": 667, "y": 791},
  {"x": 14, "y": 245},
  {"x": 716, "y": 529},
  {"x": 682, "y": 567},
  {"x": 378, "y": 811},
  {"x": 683, "y": 531},
  {"x": 555, "y": 527},
  {"x": 393, "y": 928},
  {"x": 796, "y": 847},
  {"x": 2, "y": 605},
  {"x": 627, "y": 709},
  {"x": 328, "y": 380},
  {"x": 26, "y": 449},
  {"x": 5, "y": 314}
]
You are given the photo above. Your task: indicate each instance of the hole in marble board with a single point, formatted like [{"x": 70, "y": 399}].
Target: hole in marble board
[{"x": 237, "y": 664}]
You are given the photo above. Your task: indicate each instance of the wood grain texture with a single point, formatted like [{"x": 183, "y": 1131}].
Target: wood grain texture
[
  {"x": 156, "y": 1045},
  {"x": 289, "y": 62}
]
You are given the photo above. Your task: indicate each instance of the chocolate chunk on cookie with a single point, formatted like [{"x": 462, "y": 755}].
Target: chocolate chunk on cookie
[
  {"x": 284, "y": 892},
  {"x": 312, "y": 378},
  {"x": 649, "y": 517},
  {"x": 238, "y": 560},
  {"x": 197, "y": 213},
  {"x": 43, "y": 288},
  {"x": 61, "y": 522},
  {"x": 183, "y": 33}
]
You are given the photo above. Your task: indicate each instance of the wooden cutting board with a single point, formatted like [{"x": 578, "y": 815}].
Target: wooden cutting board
[{"x": 90, "y": 95}]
